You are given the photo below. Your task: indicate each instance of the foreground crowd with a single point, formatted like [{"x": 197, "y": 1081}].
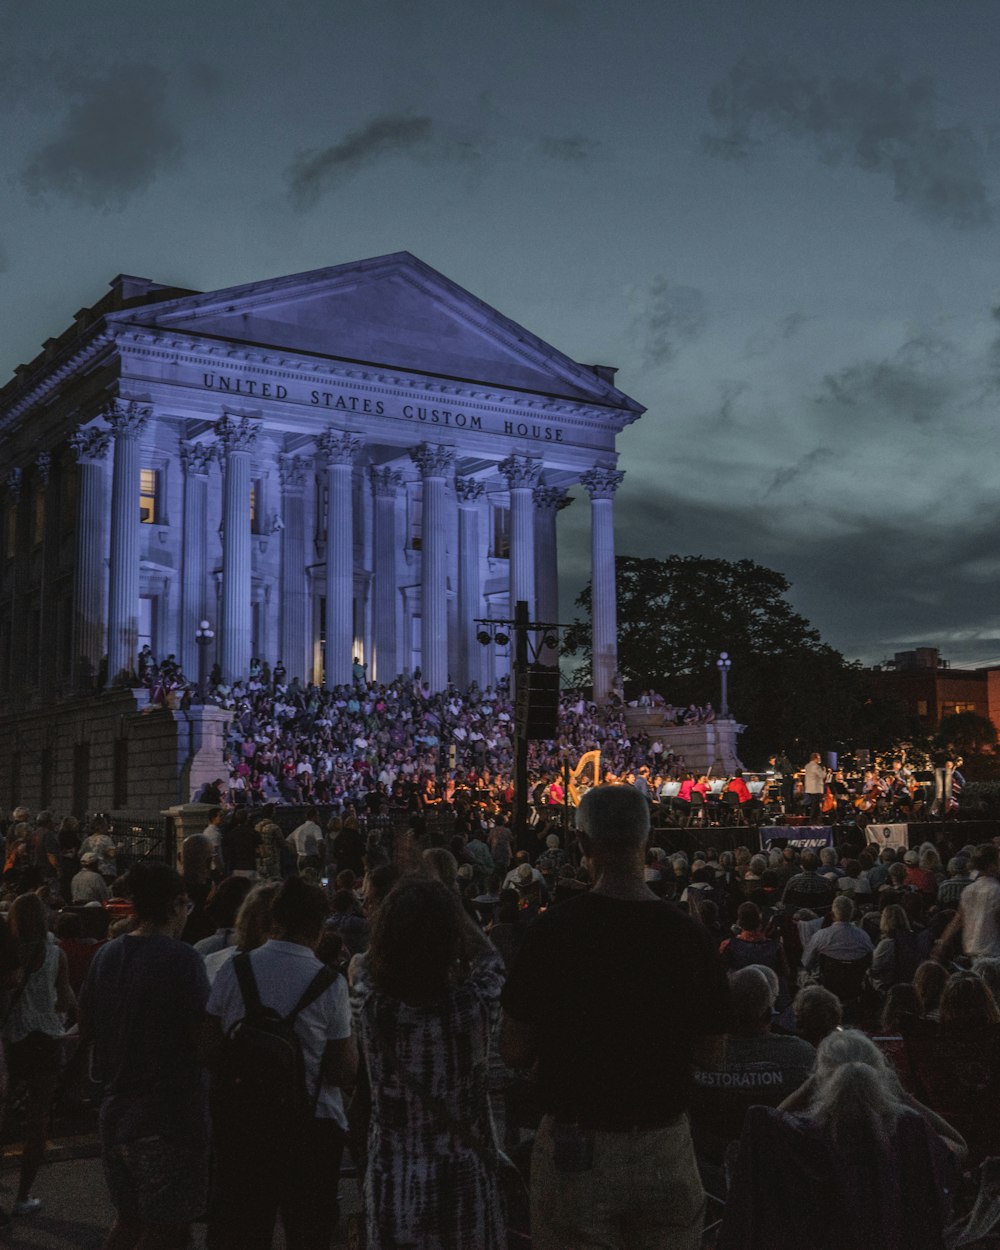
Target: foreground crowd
[{"x": 632, "y": 1028}]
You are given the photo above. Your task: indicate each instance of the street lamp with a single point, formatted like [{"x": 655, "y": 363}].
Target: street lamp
[
  {"x": 204, "y": 636},
  {"x": 724, "y": 664}
]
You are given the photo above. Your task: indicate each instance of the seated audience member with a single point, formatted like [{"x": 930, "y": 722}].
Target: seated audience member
[
  {"x": 902, "y": 1006},
  {"x": 88, "y": 885},
  {"x": 843, "y": 940},
  {"x": 760, "y": 1067},
  {"x": 896, "y": 957},
  {"x": 849, "y": 1140},
  {"x": 808, "y": 888},
  {"x": 817, "y": 1013},
  {"x": 751, "y": 945},
  {"x": 928, "y": 982},
  {"x": 956, "y": 1062}
]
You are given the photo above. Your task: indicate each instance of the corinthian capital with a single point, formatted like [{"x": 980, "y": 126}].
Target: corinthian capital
[
  {"x": 90, "y": 443},
  {"x": 126, "y": 417},
  {"x": 468, "y": 489},
  {"x": 602, "y": 482},
  {"x": 14, "y": 482},
  {"x": 521, "y": 472},
  {"x": 196, "y": 457},
  {"x": 432, "y": 460},
  {"x": 43, "y": 467},
  {"x": 236, "y": 435},
  {"x": 386, "y": 483},
  {"x": 292, "y": 471},
  {"x": 550, "y": 498},
  {"x": 338, "y": 447}
]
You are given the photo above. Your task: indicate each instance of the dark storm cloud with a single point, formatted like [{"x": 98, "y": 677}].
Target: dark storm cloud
[
  {"x": 390, "y": 134},
  {"x": 724, "y": 415},
  {"x": 574, "y": 149},
  {"x": 673, "y": 315},
  {"x": 929, "y": 578},
  {"x": 917, "y": 383},
  {"x": 115, "y": 137},
  {"x": 881, "y": 123},
  {"x": 803, "y": 468}
]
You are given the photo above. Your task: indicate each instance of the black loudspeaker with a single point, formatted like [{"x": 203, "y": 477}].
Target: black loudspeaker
[{"x": 536, "y": 701}]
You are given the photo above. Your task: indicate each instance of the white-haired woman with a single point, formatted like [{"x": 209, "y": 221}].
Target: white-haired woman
[{"x": 862, "y": 1163}]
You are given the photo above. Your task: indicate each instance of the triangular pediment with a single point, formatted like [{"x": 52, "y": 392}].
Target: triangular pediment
[{"x": 392, "y": 311}]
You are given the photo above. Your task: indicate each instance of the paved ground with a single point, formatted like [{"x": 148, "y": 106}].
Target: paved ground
[{"x": 76, "y": 1213}]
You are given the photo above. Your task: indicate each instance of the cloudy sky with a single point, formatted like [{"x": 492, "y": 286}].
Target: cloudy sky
[{"x": 779, "y": 220}]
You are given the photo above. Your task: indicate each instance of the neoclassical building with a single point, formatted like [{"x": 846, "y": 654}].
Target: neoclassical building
[{"x": 358, "y": 461}]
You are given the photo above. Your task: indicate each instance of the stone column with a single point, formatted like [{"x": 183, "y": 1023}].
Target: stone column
[
  {"x": 549, "y": 501},
  {"x": 522, "y": 474},
  {"x": 601, "y": 483},
  {"x": 472, "y": 657},
  {"x": 90, "y": 447},
  {"x": 127, "y": 420},
  {"x": 47, "y": 671},
  {"x": 196, "y": 459},
  {"x": 16, "y": 579},
  {"x": 386, "y": 485},
  {"x": 295, "y": 621},
  {"x": 236, "y": 441},
  {"x": 337, "y": 450},
  {"x": 436, "y": 465}
]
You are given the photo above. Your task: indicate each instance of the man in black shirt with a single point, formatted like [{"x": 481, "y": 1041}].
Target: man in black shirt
[{"x": 616, "y": 996}]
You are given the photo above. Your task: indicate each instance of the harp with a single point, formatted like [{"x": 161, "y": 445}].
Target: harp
[{"x": 590, "y": 760}]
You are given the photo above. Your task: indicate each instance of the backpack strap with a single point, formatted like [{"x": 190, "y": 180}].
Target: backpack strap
[
  {"x": 248, "y": 984},
  {"x": 320, "y": 983}
]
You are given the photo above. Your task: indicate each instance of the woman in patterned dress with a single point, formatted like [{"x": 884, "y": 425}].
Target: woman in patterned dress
[{"x": 426, "y": 1000}]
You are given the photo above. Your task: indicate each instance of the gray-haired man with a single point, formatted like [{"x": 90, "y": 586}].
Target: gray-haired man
[{"x": 617, "y": 996}]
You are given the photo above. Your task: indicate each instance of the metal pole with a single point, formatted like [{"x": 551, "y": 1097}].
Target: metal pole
[
  {"x": 725, "y": 692},
  {"x": 521, "y": 737}
]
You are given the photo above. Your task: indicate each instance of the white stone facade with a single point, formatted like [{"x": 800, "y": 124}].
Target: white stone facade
[{"x": 362, "y": 458}]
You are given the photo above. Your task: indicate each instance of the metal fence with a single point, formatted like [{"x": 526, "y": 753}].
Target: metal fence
[{"x": 141, "y": 835}]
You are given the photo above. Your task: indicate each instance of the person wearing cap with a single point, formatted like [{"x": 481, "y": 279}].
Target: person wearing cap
[{"x": 88, "y": 886}]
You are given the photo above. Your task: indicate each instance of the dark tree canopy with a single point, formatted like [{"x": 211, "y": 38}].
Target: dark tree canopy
[{"x": 792, "y": 690}]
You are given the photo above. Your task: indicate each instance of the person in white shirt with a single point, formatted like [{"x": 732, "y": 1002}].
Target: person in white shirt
[
  {"x": 258, "y": 1174},
  {"x": 305, "y": 840}
]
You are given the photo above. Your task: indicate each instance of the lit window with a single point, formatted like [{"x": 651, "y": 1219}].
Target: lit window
[
  {"x": 501, "y": 533},
  {"x": 921, "y": 707},
  {"x": 416, "y": 520},
  {"x": 256, "y": 506},
  {"x": 148, "y": 491}
]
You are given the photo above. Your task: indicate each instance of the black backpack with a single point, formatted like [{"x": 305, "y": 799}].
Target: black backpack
[{"x": 261, "y": 1078}]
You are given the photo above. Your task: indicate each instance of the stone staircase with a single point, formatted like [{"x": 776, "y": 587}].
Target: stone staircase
[{"x": 705, "y": 748}]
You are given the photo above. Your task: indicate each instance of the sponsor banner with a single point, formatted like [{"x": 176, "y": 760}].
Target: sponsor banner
[
  {"x": 887, "y": 835},
  {"x": 804, "y": 837}
]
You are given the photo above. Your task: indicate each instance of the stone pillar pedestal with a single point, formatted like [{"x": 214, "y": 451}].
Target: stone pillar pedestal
[
  {"x": 90, "y": 446},
  {"x": 338, "y": 450},
  {"x": 522, "y": 474},
  {"x": 236, "y": 439},
  {"x": 127, "y": 421},
  {"x": 601, "y": 483},
  {"x": 436, "y": 465}
]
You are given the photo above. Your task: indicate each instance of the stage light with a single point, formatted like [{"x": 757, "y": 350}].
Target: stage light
[
  {"x": 501, "y": 639},
  {"x": 484, "y": 637}
]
